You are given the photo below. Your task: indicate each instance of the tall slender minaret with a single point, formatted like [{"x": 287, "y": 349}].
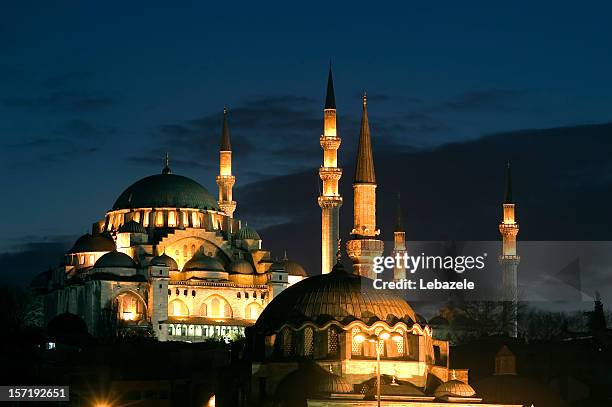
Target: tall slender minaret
[
  {"x": 364, "y": 246},
  {"x": 399, "y": 243},
  {"x": 509, "y": 261},
  {"x": 330, "y": 200},
  {"x": 225, "y": 179}
]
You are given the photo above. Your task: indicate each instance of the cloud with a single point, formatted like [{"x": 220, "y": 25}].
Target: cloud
[
  {"x": 454, "y": 191},
  {"x": 62, "y": 100},
  {"x": 69, "y": 139}
]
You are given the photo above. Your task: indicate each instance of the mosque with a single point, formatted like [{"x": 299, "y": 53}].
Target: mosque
[{"x": 170, "y": 258}]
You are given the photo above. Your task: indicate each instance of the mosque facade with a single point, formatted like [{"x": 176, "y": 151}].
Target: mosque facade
[{"x": 171, "y": 259}]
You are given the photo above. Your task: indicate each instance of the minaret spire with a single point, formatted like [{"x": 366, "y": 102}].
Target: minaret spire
[
  {"x": 329, "y": 200},
  {"x": 364, "y": 246},
  {"x": 508, "y": 193},
  {"x": 509, "y": 260},
  {"x": 166, "y": 169},
  {"x": 364, "y": 171},
  {"x": 225, "y": 179},
  {"x": 399, "y": 243}
]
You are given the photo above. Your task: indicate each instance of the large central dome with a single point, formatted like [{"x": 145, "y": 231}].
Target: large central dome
[
  {"x": 338, "y": 296},
  {"x": 166, "y": 191}
]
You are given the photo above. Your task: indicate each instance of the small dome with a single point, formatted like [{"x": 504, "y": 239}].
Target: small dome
[
  {"x": 89, "y": 243},
  {"x": 202, "y": 262},
  {"x": 165, "y": 261},
  {"x": 115, "y": 259},
  {"x": 294, "y": 269},
  {"x": 454, "y": 388},
  {"x": 247, "y": 233},
  {"x": 132, "y": 227},
  {"x": 241, "y": 266},
  {"x": 331, "y": 383}
]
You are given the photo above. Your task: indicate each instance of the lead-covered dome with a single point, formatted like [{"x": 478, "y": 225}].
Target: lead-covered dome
[
  {"x": 247, "y": 233},
  {"x": 241, "y": 266},
  {"x": 338, "y": 296},
  {"x": 166, "y": 191},
  {"x": 164, "y": 261},
  {"x": 454, "y": 388},
  {"x": 96, "y": 243},
  {"x": 115, "y": 259},
  {"x": 202, "y": 262}
]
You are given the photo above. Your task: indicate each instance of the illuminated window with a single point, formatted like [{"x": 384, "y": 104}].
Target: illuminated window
[
  {"x": 159, "y": 218},
  {"x": 252, "y": 311},
  {"x": 357, "y": 348},
  {"x": 308, "y": 341},
  {"x": 400, "y": 347},
  {"x": 178, "y": 308},
  {"x": 145, "y": 219},
  {"x": 171, "y": 218},
  {"x": 91, "y": 259},
  {"x": 217, "y": 307}
]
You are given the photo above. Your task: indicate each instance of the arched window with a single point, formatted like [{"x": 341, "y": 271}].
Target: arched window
[
  {"x": 308, "y": 341},
  {"x": 130, "y": 307},
  {"x": 171, "y": 218},
  {"x": 216, "y": 306},
  {"x": 159, "y": 218},
  {"x": 252, "y": 311},
  {"x": 170, "y": 329},
  {"x": 356, "y": 348},
  {"x": 332, "y": 342},
  {"x": 178, "y": 308},
  {"x": 287, "y": 342}
]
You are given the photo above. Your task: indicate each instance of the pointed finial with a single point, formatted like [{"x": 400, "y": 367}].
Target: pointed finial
[
  {"x": 453, "y": 375},
  {"x": 398, "y": 215},
  {"x": 365, "y": 98},
  {"x": 331, "y": 369},
  {"x": 330, "y": 97},
  {"x": 508, "y": 192},
  {"x": 226, "y": 144},
  {"x": 339, "y": 252},
  {"x": 285, "y": 258},
  {"x": 167, "y": 169}
]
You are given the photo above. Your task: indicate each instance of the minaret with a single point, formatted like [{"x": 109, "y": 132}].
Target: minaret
[
  {"x": 399, "y": 243},
  {"x": 509, "y": 261},
  {"x": 364, "y": 246},
  {"x": 225, "y": 179},
  {"x": 330, "y": 200}
]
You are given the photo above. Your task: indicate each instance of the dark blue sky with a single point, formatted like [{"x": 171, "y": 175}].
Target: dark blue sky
[{"x": 91, "y": 96}]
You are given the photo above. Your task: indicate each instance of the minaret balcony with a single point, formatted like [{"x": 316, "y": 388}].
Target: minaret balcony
[
  {"x": 330, "y": 201},
  {"x": 330, "y": 173},
  {"x": 330, "y": 142},
  {"x": 509, "y": 259}
]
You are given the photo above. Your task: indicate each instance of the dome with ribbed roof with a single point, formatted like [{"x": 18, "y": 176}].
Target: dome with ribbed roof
[
  {"x": 241, "y": 266},
  {"x": 164, "y": 261},
  {"x": 454, "y": 388},
  {"x": 339, "y": 296},
  {"x": 132, "y": 227},
  {"x": 166, "y": 190},
  {"x": 89, "y": 243},
  {"x": 294, "y": 268},
  {"x": 202, "y": 262},
  {"x": 247, "y": 233},
  {"x": 115, "y": 259}
]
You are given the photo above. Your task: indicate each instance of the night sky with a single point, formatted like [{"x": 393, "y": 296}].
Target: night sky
[{"x": 92, "y": 96}]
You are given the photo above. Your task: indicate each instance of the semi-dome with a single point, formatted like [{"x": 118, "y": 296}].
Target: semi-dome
[
  {"x": 247, "y": 233},
  {"x": 339, "y": 296},
  {"x": 89, "y": 243},
  {"x": 115, "y": 259},
  {"x": 241, "y": 266},
  {"x": 166, "y": 191},
  {"x": 454, "y": 388},
  {"x": 132, "y": 227},
  {"x": 164, "y": 261},
  {"x": 202, "y": 262}
]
